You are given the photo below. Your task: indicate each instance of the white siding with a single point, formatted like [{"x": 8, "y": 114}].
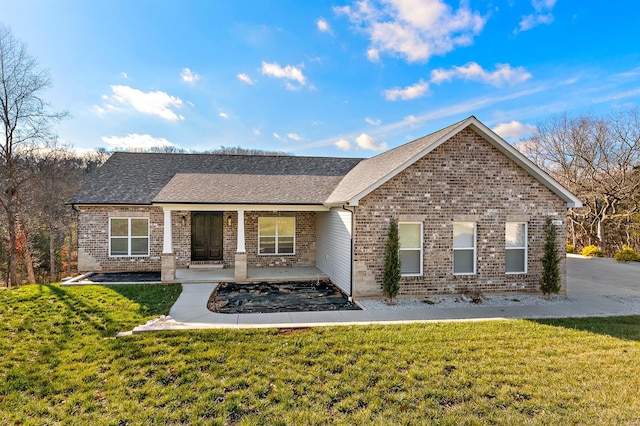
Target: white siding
[{"x": 333, "y": 245}]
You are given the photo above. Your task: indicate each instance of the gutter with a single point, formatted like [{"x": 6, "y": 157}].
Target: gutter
[{"x": 350, "y": 298}]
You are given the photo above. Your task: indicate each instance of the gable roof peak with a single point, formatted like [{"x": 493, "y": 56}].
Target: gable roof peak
[{"x": 371, "y": 173}]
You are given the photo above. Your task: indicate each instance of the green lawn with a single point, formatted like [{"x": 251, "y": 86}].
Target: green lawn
[{"x": 59, "y": 364}]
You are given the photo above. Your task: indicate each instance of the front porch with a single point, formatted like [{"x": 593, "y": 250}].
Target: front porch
[
  {"x": 271, "y": 274},
  {"x": 238, "y": 240}
]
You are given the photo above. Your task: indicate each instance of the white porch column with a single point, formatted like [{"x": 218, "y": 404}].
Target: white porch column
[
  {"x": 241, "y": 256},
  {"x": 167, "y": 247},
  {"x": 241, "y": 248},
  {"x": 168, "y": 259}
]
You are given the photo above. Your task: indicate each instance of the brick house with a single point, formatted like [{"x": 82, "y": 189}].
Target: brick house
[{"x": 470, "y": 210}]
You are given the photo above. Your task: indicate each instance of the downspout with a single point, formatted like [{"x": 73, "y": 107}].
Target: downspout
[{"x": 352, "y": 253}]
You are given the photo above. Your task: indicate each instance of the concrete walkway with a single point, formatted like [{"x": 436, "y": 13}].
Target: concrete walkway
[{"x": 596, "y": 287}]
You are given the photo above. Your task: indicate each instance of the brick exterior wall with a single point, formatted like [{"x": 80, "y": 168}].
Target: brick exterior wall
[
  {"x": 305, "y": 241},
  {"x": 93, "y": 242},
  {"x": 93, "y": 239},
  {"x": 464, "y": 179}
]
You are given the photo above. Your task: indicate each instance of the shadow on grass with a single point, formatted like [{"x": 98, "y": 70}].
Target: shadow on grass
[
  {"x": 154, "y": 299},
  {"x": 105, "y": 319},
  {"x": 626, "y": 327},
  {"x": 89, "y": 315}
]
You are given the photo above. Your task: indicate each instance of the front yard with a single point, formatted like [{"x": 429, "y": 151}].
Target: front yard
[{"x": 59, "y": 363}]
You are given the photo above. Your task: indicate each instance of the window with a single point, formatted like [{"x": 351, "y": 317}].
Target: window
[
  {"x": 128, "y": 236},
  {"x": 276, "y": 235},
  {"x": 464, "y": 248},
  {"x": 410, "y": 248},
  {"x": 515, "y": 241}
]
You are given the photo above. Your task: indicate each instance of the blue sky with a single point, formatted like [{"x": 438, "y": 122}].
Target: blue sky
[{"x": 329, "y": 78}]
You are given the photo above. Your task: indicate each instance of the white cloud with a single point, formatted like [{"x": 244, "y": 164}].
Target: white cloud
[
  {"x": 540, "y": 5},
  {"x": 618, "y": 96},
  {"x": 156, "y": 103},
  {"x": 514, "y": 130},
  {"x": 289, "y": 72},
  {"x": 542, "y": 15},
  {"x": 223, "y": 115},
  {"x": 189, "y": 76},
  {"x": 124, "y": 75},
  {"x": 503, "y": 74},
  {"x": 277, "y": 136},
  {"x": 294, "y": 136},
  {"x": 245, "y": 79},
  {"x": 373, "y": 55},
  {"x": 413, "y": 29},
  {"x": 410, "y": 119},
  {"x": 417, "y": 90},
  {"x": 373, "y": 122},
  {"x": 323, "y": 25},
  {"x": 290, "y": 86},
  {"x": 343, "y": 145},
  {"x": 365, "y": 141},
  {"x": 629, "y": 74},
  {"x": 528, "y": 22},
  {"x": 256, "y": 132},
  {"x": 136, "y": 141}
]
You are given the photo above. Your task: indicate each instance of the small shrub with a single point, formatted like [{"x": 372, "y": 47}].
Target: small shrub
[
  {"x": 571, "y": 248},
  {"x": 627, "y": 254},
  {"x": 592, "y": 251}
]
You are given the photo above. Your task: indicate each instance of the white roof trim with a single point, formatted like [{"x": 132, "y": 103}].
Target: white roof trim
[{"x": 502, "y": 145}]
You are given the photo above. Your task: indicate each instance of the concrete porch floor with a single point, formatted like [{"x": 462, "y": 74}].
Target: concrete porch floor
[{"x": 275, "y": 274}]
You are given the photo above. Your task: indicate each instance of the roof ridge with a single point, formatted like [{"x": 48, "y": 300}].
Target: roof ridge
[{"x": 234, "y": 155}]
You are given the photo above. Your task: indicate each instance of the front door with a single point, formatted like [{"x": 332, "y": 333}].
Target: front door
[{"x": 206, "y": 236}]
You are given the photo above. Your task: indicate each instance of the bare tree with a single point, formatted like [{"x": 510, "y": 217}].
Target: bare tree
[
  {"x": 598, "y": 158},
  {"x": 26, "y": 125},
  {"x": 236, "y": 150}
]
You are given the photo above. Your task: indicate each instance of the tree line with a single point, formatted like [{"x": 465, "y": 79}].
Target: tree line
[{"x": 598, "y": 159}]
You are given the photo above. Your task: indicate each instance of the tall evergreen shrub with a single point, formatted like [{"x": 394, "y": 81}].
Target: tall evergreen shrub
[
  {"x": 550, "y": 280},
  {"x": 391, "y": 279}
]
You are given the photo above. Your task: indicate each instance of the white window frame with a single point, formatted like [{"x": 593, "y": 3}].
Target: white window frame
[
  {"x": 414, "y": 248},
  {"x": 129, "y": 237},
  {"x": 277, "y": 236},
  {"x": 474, "y": 248},
  {"x": 525, "y": 248}
]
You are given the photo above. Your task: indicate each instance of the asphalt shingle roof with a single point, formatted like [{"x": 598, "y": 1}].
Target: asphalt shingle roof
[
  {"x": 373, "y": 169},
  {"x": 137, "y": 178},
  {"x": 247, "y": 189}
]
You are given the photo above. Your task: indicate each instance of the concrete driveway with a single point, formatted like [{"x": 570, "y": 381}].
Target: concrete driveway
[
  {"x": 593, "y": 276},
  {"x": 595, "y": 287}
]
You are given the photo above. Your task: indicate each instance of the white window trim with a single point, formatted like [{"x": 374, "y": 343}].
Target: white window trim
[
  {"x": 129, "y": 237},
  {"x": 526, "y": 250},
  {"x": 475, "y": 257},
  {"x": 413, "y": 249},
  {"x": 277, "y": 235}
]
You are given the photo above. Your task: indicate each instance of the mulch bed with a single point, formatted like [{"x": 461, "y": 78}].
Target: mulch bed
[
  {"x": 125, "y": 277},
  {"x": 278, "y": 297}
]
